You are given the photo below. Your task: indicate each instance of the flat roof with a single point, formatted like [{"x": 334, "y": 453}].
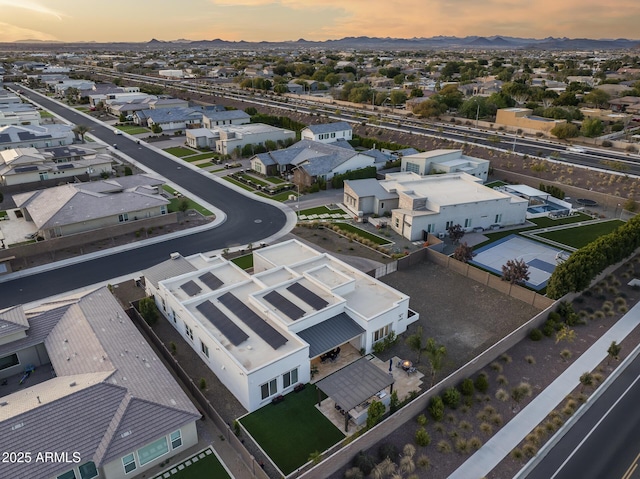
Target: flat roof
[{"x": 228, "y": 274}]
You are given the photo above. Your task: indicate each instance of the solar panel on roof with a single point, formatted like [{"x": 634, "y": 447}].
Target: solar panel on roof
[
  {"x": 284, "y": 305},
  {"x": 23, "y": 169},
  {"x": 227, "y": 327},
  {"x": 211, "y": 280},
  {"x": 65, "y": 166},
  {"x": 251, "y": 319},
  {"x": 190, "y": 288},
  {"x": 309, "y": 297}
]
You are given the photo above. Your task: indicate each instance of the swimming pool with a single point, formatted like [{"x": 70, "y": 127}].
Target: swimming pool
[{"x": 544, "y": 208}]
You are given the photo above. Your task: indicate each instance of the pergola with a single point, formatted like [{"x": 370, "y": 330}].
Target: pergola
[{"x": 354, "y": 384}]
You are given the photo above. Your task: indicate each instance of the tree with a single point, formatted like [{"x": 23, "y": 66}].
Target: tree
[
  {"x": 416, "y": 93},
  {"x": 251, "y": 111},
  {"x": 122, "y": 118},
  {"x": 464, "y": 253},
  {"x": 148, "y": 310},
  {"x": 435, "y": 353},
  {"x": 397, "y": 97},
  {"x": 429, "y": 109},
  {"x": 81, "y": 130},
  {"x": 565, "y": 334},
  {"x": 614, "y": 351},
  {"x": 597, "y": 97},
  {"x": 155, "y": 128},
  {"x": 456, "y": 232},
  {"x": 562, "y": 131},
  {"x": 183, "y": 205},
  {"x": 415, "y": 343},
  {"x": 586, "y": 380},
  {"x": 374, "y": 413},
  {"x": 592, "y": 127},
  {"x": 516, "y": 271}
]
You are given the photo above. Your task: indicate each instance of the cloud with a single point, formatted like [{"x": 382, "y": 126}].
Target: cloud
[
  {"x": 31, "y": 6},
  {"x": 11, "y": 33}
]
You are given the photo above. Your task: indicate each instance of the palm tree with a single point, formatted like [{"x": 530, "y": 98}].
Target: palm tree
[
  {"x": 436, "y": 353},
  {"x": 81, "y": 130}
]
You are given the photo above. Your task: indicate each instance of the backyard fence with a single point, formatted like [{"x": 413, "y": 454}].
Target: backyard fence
[{"x": 205, "y": 406}]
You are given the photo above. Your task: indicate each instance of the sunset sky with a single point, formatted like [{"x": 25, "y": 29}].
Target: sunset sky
[{"x": 278, "y": 20}]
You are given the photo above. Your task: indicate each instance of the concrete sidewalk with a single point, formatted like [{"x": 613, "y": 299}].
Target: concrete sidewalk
[{"x": 501, "y": 444}]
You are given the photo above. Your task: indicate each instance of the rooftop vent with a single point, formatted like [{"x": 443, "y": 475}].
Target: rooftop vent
[
  {"x": 175, "y": 255},
  {"x": 72, "y": 384}
]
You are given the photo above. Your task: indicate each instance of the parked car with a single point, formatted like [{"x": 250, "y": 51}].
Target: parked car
[{"x": 117, "y": 132}]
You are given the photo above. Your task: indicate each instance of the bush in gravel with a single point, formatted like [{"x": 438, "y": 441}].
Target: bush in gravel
[
  {"x": 502, "y": 395},
  {"x": 482, "y": 383},
  {"x": 502, "y": 380},
  {"x": 497, "y": 367},
  {"x": 353, "y": 473},
  {"x": 529, "y": 449},
  {"x": 439, "y": 427},
  {"x": 462, "y": 445},
  {"x": 486, "y": 428},
  {"x": 436, "y": 408},
  {"x": 530, "y": 359},
  {"x": 549, "y": 327},
  {"x": 475, "y": 442},
  {"x": 535, "y": 335},
  {"x": 422, "y": 437},
  {"x": 465, "y": 426},
  {"x": 423, "y": 462},
  {"x": 517, "y": 454},
  {"x": 444, "y": 446},
  {"x": 497, "y": 420},
  {"x": 467, "y": 388},
  {"x": 506, "y": 358},
  {"x": 422, "y": 420},
  {"x": 388, "y": 450},
  {"x": 451, "y": 397},
  {"x": 365, "y": 462}
]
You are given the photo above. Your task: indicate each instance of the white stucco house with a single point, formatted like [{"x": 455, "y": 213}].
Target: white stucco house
[
  {"x": 226, "y": 139},
  {"x": 212, "y": 119},
  {"x": 261, "y": 333},
  {"x": 35, "y": 136},
  {"x": 419, "y": 205},
  {"x": 328, "y": 132},
  {"x": 445, "y": 161}
]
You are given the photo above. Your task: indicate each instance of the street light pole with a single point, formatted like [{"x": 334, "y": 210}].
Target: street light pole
[{"x": 477, "y": 112}]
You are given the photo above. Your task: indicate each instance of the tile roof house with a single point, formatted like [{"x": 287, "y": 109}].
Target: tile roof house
[
  {"x": 328, "y": 132},
  {"x": 16, "y": 136},
  {"x": 170, "y": 118},
  {"x": 30, "y": 165},
  {"x": 99, "y": 395},
  {"x": 211, "y": 119},
  {"x": 261, "y": 334},
  {"x": 311, "y": 160},
  {"x": 81, "y": 207}
]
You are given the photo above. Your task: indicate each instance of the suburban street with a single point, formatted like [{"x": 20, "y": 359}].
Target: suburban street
[
  {"x": 604, "y": 442},
  {"x": 247, "y": 221}
]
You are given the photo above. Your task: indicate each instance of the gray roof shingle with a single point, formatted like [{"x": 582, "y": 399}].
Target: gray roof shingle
[{"x": 329, "y": 127}]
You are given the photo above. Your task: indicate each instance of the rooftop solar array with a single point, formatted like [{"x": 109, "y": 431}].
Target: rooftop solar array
[
  {"x": 23, "y": 169},
  {"x": 227, "y": 327},
  {"x": 211, "y": 280},
  {"x": 64, "y": 166},
  {"x": 309, "y": 297},
  {"x": 190, "y": 288},
  {"x": 251, "y": 319},
  {"x": 284, "y": 305}
]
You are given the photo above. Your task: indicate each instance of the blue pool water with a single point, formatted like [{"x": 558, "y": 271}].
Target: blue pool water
[{"x": 544, "y": 208}]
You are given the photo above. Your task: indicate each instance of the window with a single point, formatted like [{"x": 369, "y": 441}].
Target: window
[
  {"x": 290, "y": 378},
  {"x": 188, "y": 331},
  {"x": 173, "y": 315},
  {"x": 153, "y": 451},
  {"x": 333, "y": 135},
  {"x": 448, "y": 225},
  {"x": 413, "y": 167},
  {"x": 381, "y": 205},
  {"x": 204, "y": 348},
  {"x": 67, "y": 475},
  {"x": 9, "y": 361},
  {"x": 498, "y": 218},
  {"x": 269, "y": 389},
  {"x": 88, "y": 470},
  {"x": 129, "y": 463},
  {"x": 45, "y": 176},
  {"x": 381, "y": 333},
  {"x": 397, "y": 222},
  {"x": 163, "y": 210},
  {"x": 176, "y": 439},
  {"x": 123, "y": 217},
  {"x": 467, "y": 223},
  {"x": 431, "y": 228}
]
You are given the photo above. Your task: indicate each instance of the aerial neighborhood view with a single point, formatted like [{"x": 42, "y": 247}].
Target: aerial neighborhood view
[{"x": 359, "y": 240}]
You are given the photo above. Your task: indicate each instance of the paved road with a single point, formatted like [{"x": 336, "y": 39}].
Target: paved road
[
  {"x": 247, "y": 221},
  {"x": 604, "y": 442}
]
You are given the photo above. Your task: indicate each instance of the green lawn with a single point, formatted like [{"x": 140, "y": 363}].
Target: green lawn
[
  {"x": 132, "y": 129},
  {"x": 3, "y": 214},
  {"x": 82, "y": 108},
  {"x": 244, "y": 262},
  {"x": 319, "y": 210},
  {"x": 360, "y": 232},
  {"x": 495, "y": 184},
  {"x": 174, "y": 203},
  {"x": 201, "y": 156},
  {"x": 254, "y": 179},
  {"x": 580, "y": 236},
  {"x": 180, "y": 151},
  {"x": 205, "y": 165},
  {"x": 202, "y": 469},
  {"x": 293, "y": 429},
  {"x": 275, "y": 180},
  {"x": 45, "y": 114},
  {"x": 237, "y": 183}
]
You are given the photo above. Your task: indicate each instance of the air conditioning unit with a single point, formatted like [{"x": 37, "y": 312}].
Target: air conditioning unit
[{"x": 442, "y": 235}]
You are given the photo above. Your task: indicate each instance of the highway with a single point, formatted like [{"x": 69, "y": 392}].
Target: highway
[
  {"x": 247, "y": 221},
  {"x": 604, "y": 442}
]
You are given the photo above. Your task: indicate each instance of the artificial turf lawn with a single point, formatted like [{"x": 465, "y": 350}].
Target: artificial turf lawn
[
  {"x": 132, "y": 130},
  {"x": 580, "y": 236},
  {"x": 293, "y": 429},
  {"x": 244, "y": 262},
  {"x": 202, "y": 469},
  {"x": 180, "y": 151}
]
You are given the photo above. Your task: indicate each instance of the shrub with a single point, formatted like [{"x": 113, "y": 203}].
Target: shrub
[
  {"x": 607, "y": 144},
  {"x": 353, "y": 473},
  {"x": 535, "y": 334},
  {"x": 517, "y": 454},
  {"x": 496, "y": 366},
  {"x": 148, "y": 310},
  {"x": 482, "y": 383},
  {"x": 444, "y": 446},
  {"x": 388, "y": 450},
  {"x": 422, "y": 420},
  {"x": 465, "y": 426},
  {"x": 530, "y": 359},
  {"x": 203, "y": 384},
  {"x": 422, "y": 437},
  {"x": 451, "y": 397},
  {"x": 502, "y": 380},
  {"x": 475, "y": 442},
  {"x": 502, "y": 395},
  {"x": 506, "y": 358},
  {"x": 549, "y": 327},
  {"x": 423, "y": 462},
  {"x": 462, "y": 445},
  {"x": 436, "y": 408},
  {"x": 466, "y": 388},
  {"x": 365, "y": 462},
  {"x": 486, "y": 428}
]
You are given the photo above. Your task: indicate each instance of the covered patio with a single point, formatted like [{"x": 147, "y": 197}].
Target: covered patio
[{"x": 353, "y": 387}]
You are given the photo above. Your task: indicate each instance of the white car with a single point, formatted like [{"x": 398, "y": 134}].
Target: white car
[
  {"x": 117, "y": 132},
  {"x": 576, "y": 149}
]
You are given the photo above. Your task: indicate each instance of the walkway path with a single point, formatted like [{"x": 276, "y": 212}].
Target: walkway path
[{"x": 501, "y": 444}]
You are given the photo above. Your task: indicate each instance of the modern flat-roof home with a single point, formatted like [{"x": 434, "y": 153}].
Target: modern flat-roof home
[
  {"x": 225, "y": 139},
  {"x": 328, "y": 132},
  {"x": 7, "y": 97},
  {"x": 420, "y": 205},
  {"x": 445, "y": 161},
  {"x": 30, "y": 165},
  {"x": 261, "y": 334},
  {"x": 211, "y": 119},
  {"x": 81, "y": 207},
  {"x": 17, "y": 136},
  {"x": 96, "y": 391}
]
